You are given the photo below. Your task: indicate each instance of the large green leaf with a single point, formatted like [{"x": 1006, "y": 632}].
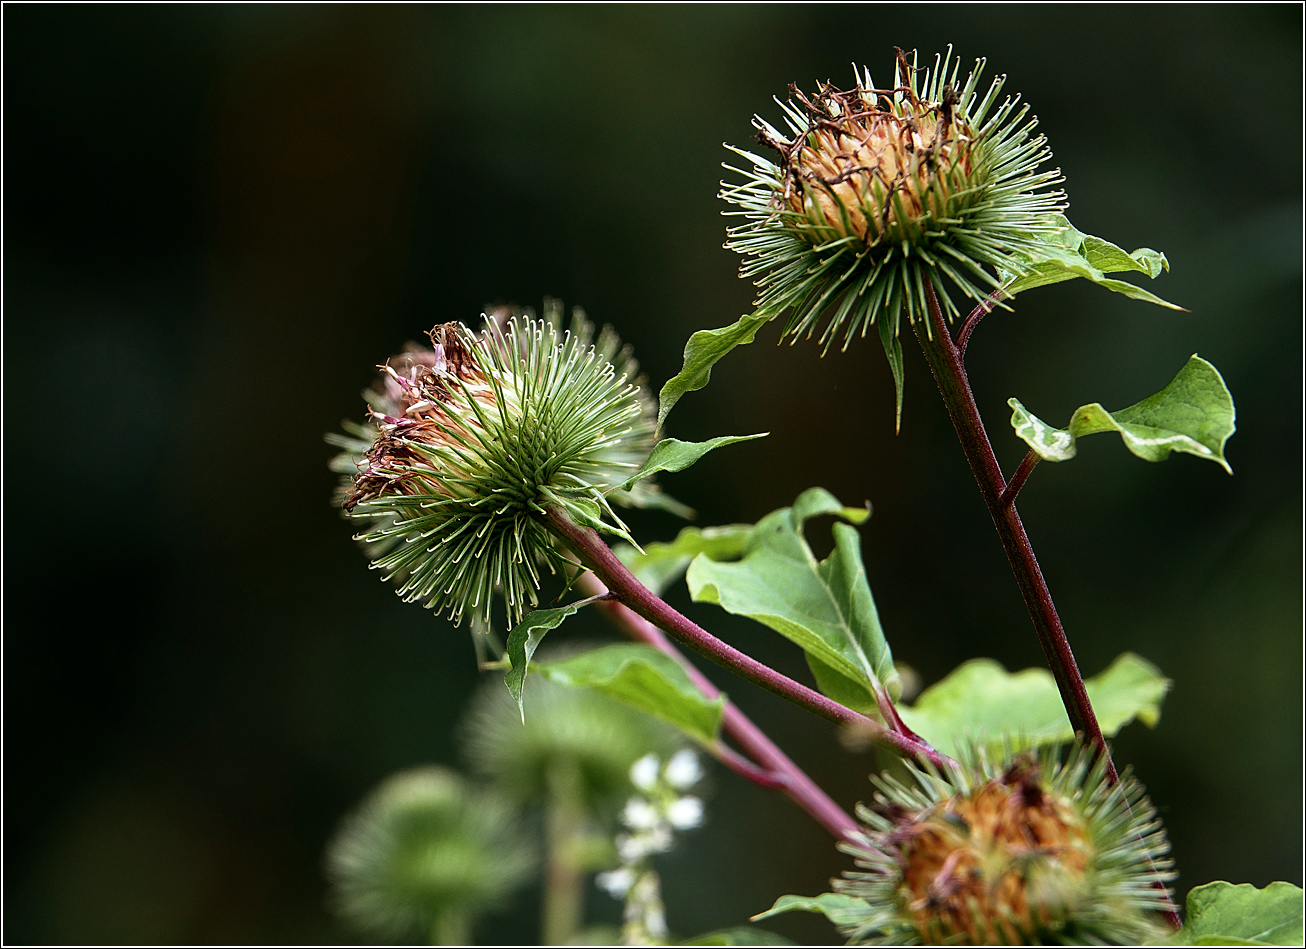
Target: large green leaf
[
  {"x": 838, "y": 908},
  {"x": 525, "y": 639},
  {"x": 980, "y": 703},
  {"x": 704, "y": 349},
  {"x": 825, "y": 607},
  {"x": 1070, "y": 254},
  {"x": 671, "y": 454},
  {"x": 662, "y": 564},
  {"x": 642, "y": 677},
  {"x": 1225, "y": 914},
  {"x": 740, "y": 936},
  {"x": 1193, "y": 414}
]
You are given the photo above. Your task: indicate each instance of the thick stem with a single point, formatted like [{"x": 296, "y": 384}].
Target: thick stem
[
  {"x": 944, "y": 358},
  {"x": 945, "y": 363},
  {"x": 613, "y": 573},
  {"x": 770, "y": 767}
]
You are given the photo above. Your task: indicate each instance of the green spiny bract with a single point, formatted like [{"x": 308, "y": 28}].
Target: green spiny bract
[
  {"x": 878, "y": 193},
  {"x": 1036, "y": 851},
  {"x": 468, "y": 441}
]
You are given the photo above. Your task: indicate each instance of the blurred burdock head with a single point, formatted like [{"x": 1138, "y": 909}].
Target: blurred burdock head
[
  {"x": 423, "y": 855},
  {"x": 1030, "y": 852},
  {"x": 572, "y": 731},
  {"x": 876, "y": 193},
  {"x": 469, "y": 440}
]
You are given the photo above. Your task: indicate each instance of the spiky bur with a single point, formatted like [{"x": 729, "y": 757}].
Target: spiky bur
[
  {"x": 1034, "y": 851},
  {"x": 467, "y": 441},
  {"x": 875, "y": 193},
  {"x": 423, "y": 855}
]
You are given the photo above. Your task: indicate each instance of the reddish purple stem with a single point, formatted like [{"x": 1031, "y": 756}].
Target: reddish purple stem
[
  {"x": 1018, "y": 479},
  {"x": 945, "y": 362},
  {"x": 944, "y": 358},
  {"x": 773, "y": 769},
  {"x": 613, "y": 573}
]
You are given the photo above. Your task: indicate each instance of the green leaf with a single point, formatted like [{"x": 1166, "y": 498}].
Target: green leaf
[
  {"x": 525, "y": 639},
  {"x": 646, "y": 679},
  {"x": 740, "y": 936},
  {"x": 980, "y": 703},
  {"x": 671, "y": 454},
  {"x": 1070, "y": 254},
  {"x": 704, "y": 349},
  {"x": 838, "y": 908},
  {"x": 661, "y": 565},
  {"x": 825, "y": 607},
  {"x": 1193, "y": 414},
  {"x": 1225, "y": 914}
]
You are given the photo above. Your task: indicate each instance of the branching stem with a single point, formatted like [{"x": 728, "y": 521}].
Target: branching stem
[
  {"x": 944, "y": 358},
  {"x": 972, "y": 321},
  {"x": 769, "y": 767},
  {"x": 595, "y": 554},
  {"x": 1008, "y": 497}
]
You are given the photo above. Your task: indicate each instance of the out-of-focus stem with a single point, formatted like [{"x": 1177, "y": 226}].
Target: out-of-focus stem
[
  {"x": 451, "y": 929},
  {"x": 564, "y": 884}
]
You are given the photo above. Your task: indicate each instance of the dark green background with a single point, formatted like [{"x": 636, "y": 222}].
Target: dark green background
[{"x": 217, "y": 220}]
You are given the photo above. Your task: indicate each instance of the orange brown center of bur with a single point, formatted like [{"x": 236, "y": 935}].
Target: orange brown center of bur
[
  {"x": 993, "y": 863},
  {"x": 860, "y": 169}
]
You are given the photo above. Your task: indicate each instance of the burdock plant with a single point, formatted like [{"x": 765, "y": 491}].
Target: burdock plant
[
  {"x": 469, "y": 440},
  {"x": 1040, "y": 850},
  {"x": 500, "y": 454},
  {"x": 873, "y": 193}
]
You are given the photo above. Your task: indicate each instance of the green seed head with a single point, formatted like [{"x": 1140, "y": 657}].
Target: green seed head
[
  {"x": 424, "y": 854},
  {"x": 569, "y": 730},
  {"x": 876, "y": 193},
  {"x": 468, "y": 441},
  {"x": 1035, "y": 851}
]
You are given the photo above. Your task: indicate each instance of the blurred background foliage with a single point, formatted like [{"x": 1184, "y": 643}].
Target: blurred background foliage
[{"x": 219, "y": 219}]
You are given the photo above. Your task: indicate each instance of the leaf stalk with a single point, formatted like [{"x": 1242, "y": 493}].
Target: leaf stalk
[{"x": 1018, "y": 478}]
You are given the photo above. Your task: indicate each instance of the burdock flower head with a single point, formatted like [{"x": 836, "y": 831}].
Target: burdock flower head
[
  {"x": 470, "y": 440},
  {"x": 1035, "y": 851},
  {"x": 876, "y": 194}
]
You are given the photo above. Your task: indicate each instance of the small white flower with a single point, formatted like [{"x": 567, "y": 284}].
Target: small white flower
[
  {"x": 639, "y": 814},
  {"x": 683, "y": 770},
  {"x": 617, "y": 882},
  {"x": 644, "y": 772},
  {"x": 632, "y": 848},
  {"x": 644, "y": 910},
  {"x": 685, "y": 812},
  {"x": 635, "y": 847}
]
